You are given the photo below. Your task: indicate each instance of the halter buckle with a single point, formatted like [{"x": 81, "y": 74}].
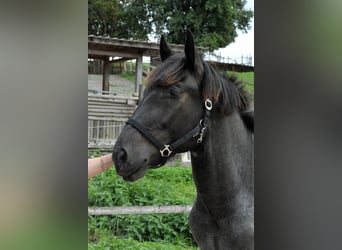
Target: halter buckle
[
  {"x": 200, "y": 138},
  {"x": 165, "y": 151},
  {"x": 208, "y": 104}
]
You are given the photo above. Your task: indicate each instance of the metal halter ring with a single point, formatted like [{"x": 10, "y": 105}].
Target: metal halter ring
[
  {"x": 208, "y": 104},
  {"x": 165, "y": 151}
]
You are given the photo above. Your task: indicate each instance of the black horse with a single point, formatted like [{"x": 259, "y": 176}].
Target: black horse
[{"x": 189, "y": 106}]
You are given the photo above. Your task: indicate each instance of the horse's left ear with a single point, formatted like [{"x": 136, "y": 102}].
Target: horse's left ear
[
  {"x": 190, "y": 49},
  {"x": 165, "y": 51}
]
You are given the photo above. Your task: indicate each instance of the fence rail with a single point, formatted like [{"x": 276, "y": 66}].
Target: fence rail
[
  {"x": 243, "y": 60},
  {"x": 107, "y": 115},
  {"x": 139, "y": 210}
]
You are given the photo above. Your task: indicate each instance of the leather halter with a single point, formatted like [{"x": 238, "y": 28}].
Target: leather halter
[{"x": 167, "y": 149}]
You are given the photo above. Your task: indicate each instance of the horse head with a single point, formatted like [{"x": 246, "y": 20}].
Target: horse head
[{"x": 169, "y": 119}]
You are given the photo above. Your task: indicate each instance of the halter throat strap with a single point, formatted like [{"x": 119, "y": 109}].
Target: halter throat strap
[{"x": 167, "y": 149}]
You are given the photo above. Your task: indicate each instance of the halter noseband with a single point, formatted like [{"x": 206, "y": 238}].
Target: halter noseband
[{"x": 167, "y": 149}]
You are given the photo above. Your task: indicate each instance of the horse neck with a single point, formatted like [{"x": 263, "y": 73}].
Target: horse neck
[{"x": 224, "y": 164}]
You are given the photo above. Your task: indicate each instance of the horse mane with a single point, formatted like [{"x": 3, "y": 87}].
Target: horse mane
[{"x": 227, "y": 93}]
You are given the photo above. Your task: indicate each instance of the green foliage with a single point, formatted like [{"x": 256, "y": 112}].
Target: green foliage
[
  {"x": 171, "y": 228},
  {"x": 105, "y": 240},
  {"x": 94, "y": 153},
  {"x": 118, "y": 19},
  {"x": 164, "y": 186},
  {"x": 102, "y": 16},
  {"x": 213, "y": 22}
]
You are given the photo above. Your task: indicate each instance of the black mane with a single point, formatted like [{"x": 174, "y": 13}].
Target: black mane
[{"x": 227, "y": 93}]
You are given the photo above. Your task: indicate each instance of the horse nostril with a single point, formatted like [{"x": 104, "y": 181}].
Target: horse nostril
[
  {"x": 120, "y": 159},
  {"x": 122, "y": 155}
]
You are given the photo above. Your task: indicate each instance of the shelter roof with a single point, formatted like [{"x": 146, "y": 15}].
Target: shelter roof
[{"x": 100, "y": 47}]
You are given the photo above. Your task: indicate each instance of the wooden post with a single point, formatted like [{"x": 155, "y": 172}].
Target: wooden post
[
  {"x": 98, "y": 66},
  {"x": 141, "y": 90},
  {"x": 138, "y": 73},
  {"x": 105, "y": 74}
]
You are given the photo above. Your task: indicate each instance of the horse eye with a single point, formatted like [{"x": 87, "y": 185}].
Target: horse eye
[{"x": 175, "y": 91}]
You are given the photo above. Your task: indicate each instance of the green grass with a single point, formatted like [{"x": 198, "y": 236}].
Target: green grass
[
  {"x": 129, "y": 76},
  {"x": 246, "y": 77}
]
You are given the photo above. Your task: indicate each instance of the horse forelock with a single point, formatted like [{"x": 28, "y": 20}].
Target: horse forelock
[
  {"x": 174, "y": 70},
  {"x": 168, "y": 73},
  {"x": 227, "y": 93}
]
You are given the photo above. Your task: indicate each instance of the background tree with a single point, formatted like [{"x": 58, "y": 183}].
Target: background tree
[
  {"x": 103, "y": 17},
  {"x": 122, "y": 19},
  {"x": 214, "y": 23}
]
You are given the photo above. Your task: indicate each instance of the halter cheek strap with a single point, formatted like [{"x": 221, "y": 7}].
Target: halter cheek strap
[{"x": 167, "y": 149}]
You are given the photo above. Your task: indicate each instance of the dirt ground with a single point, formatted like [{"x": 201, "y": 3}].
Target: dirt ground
[{"x": 117, "y": 84}]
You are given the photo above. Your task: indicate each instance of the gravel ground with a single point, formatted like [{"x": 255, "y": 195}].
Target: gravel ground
[{"x": 117, "y": 84}]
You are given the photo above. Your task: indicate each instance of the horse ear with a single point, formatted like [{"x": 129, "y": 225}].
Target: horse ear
[
  {"x": 248, "y": 119},
  {"x": 165, "y": 51},
  {"x": 190, "y": 49}
]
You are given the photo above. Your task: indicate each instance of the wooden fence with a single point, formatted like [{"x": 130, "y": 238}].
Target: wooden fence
[
  {"x": 139, "y": 210},
  {"x": 107, "y": 115}
]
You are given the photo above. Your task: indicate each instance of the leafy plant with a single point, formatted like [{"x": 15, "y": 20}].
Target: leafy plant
[
  {"x": 106, "y": 240},
  {"x": 164, "y": 186}
]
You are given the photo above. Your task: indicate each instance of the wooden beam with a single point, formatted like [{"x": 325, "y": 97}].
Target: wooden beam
[
  {"x": 112, "y": 97},
  {"x": 123, "y": 59},
  {"x": 139, "y": 210},
  {"x": 111, "y": 53},
  {"x": 143, "y": 46},
  {"x": 99, "y": 57}
]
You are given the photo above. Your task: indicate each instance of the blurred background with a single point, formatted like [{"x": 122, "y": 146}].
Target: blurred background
[{"x": 43, "y": 129}]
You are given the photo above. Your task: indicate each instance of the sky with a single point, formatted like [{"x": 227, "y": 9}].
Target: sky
[{"x": 244, "y": 42}]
